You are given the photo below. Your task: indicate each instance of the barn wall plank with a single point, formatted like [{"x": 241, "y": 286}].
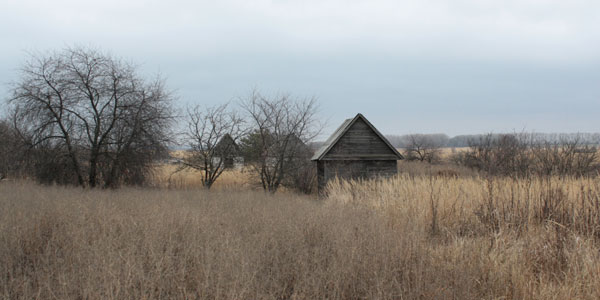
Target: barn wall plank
[
  {"x": 354, "y": 169},
  {"x": 359, "y": 140}
]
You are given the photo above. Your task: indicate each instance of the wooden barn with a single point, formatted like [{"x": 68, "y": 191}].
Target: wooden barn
[
  {"x": 355, "y": 150},
  {"x": 228, "y": 151}
]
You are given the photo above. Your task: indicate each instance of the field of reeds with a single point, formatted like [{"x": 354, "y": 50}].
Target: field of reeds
[{"x": 428, "y": 235}]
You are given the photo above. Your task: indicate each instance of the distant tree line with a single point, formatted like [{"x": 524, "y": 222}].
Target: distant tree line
[{"x": 460, "y": 141}]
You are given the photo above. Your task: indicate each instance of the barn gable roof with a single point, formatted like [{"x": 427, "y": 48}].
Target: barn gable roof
[
  {"x": 227, "y": 144},
  {"x": 343, "y": 129}
]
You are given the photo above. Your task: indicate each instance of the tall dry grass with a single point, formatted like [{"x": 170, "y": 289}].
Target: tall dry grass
[
  {"x": 536, "y": 238},
  {"x": 371, "y": 240},
  {"x": 480, "y": 203}
]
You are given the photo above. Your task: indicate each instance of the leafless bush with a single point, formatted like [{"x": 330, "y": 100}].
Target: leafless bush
[
  {"x": 303, "y": 178},
  {"x": 522, "y": 155},
  {"x": 424, "y": 147},
  {"x": 568, "y": 156},
  {"x": 7, "y": 141},
  {"x": 505, "y": 154},
  {"x": 15, "y": 159}
]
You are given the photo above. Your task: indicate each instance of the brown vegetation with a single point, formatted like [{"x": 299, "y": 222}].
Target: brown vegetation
[{"x": 415, "y": 237}]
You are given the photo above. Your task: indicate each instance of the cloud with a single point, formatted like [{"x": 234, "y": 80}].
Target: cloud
[
  {"x": 442, "y": 65},
  {"x": 520, "y": 30}
]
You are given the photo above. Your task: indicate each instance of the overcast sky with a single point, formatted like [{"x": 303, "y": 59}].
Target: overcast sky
[{"x": 456, "y": 67}]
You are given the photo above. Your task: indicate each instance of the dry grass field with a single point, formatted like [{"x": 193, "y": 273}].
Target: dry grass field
[{"x": 411, "y": 237}]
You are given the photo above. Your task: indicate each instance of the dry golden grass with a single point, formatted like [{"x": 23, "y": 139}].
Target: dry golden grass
[
  {"x": 411, "y": 237},
  {"x": 533, "y": 238},
  {"x": 165, "y": 176}
]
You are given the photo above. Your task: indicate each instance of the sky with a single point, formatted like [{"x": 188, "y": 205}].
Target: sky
[{"x": 414, "y": 66}]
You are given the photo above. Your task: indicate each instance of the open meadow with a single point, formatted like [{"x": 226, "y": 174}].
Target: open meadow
[
  {"x": 415, "y": 236},
  {"x": 300, "y": 150}
]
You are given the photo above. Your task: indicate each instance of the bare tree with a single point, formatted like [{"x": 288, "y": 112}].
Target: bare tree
[
  {"x": 94, "y": 110},
  {"x": 212, "y": 135},
  {"x": 281, "y": 128},
  {"x": 424, "y": 147}
]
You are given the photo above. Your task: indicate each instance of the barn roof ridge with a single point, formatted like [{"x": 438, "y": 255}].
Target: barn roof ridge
[
  {"x": 227, "y": 138},
  {"x": 340, "y": 131}
]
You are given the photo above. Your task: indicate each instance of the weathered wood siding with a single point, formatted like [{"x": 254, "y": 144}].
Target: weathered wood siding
[
  {"x": 354, "y": 169},
  {"x": 355, "y": 150},
  {"x": 360, "y": 142}
]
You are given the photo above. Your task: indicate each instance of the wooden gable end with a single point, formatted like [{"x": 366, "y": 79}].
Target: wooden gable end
[{"x": 360, "y": 142}]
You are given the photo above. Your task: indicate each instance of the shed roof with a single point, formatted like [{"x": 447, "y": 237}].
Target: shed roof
[
  {"x": 339, "y": 133},
  {"x": 227, "y": 144}
]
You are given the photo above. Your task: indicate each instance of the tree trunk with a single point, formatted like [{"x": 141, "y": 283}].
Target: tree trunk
[
  {"x": 80, "y": 180},
  {"x": 93, "y": 171}
]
